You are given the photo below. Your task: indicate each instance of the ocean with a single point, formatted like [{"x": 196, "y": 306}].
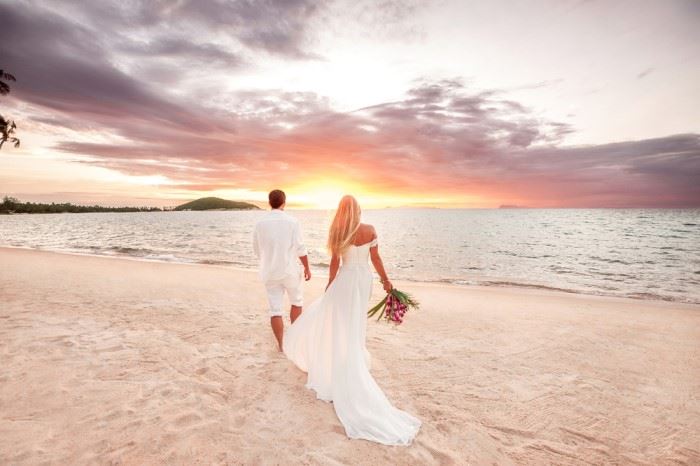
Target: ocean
[{"x": 638, "y": 253}]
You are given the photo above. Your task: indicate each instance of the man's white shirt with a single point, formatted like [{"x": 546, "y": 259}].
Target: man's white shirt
[{"x": 278, "y": 244}]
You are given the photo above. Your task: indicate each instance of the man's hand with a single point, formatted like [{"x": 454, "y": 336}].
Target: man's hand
[{"x": 307, "y": 271}]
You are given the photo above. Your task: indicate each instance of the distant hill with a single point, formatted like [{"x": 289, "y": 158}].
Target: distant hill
[
  {"x": 216, "y": 203},
  {"x": 513, "y": 206}
]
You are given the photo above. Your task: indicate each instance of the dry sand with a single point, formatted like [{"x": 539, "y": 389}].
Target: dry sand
[{"x": 126, "y": 362}]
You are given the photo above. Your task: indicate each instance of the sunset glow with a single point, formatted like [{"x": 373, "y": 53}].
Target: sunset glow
[
  {"x": 437, "y": 104},
  {"x": 320, "y": 196}
]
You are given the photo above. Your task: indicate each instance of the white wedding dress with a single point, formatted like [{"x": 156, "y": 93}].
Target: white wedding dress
[{"x": 328, "y": 342}]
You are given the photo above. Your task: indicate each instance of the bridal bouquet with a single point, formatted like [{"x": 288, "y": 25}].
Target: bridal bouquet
[{"x": 395, "y": 304}]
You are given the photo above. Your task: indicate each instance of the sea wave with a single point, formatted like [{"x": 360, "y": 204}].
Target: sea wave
[
  {"x": 512, "y": 284},
  {"x": 170, "y": 258},
  {"x": 607, "y": 252}
]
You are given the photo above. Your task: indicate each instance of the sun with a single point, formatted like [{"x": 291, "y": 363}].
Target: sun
[
  {"x": 324, "y": 193},
  {"x": 320, "y": 196}
]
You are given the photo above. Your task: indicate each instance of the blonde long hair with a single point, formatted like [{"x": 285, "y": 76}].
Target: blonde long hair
[{"x": 344, "y": 226}]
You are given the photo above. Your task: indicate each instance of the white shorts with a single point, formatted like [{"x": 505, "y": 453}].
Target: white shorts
[{"x": 293, "y": 285}]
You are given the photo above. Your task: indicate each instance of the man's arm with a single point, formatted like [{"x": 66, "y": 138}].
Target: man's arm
[
  {"x": 307, "y": 271},
  {"x": 301, "y": 251}
]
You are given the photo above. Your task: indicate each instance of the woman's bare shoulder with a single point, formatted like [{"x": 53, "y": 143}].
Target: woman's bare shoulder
[
  {"x": 366, "y": 228},
  {"x": 367, "y": 232}
]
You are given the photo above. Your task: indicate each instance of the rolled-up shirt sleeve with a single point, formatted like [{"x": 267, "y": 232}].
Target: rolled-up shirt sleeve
[{"x": 298, "y": 241}]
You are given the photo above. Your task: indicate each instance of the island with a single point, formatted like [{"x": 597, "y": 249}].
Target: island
[{"x": 216, "y": 203}]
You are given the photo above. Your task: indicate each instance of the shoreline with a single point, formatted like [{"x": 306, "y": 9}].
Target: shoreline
[
  {"x": 150, "y": 362},
  {"x": 461, "y": 283}
]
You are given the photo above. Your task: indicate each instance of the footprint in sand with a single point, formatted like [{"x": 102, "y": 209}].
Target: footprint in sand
[
  {"x": 187, "y": 419},
  {"x": 110, "y": 349},
  {"x": 113, "y": 415}
]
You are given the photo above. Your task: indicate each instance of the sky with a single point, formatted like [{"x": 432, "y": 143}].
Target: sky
[{"x": 401, "y": 103}]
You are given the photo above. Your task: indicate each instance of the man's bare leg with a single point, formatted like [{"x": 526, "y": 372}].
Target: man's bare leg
[
  {"x": 294, "y": 313},
  {"x": 278, "y": 329}
]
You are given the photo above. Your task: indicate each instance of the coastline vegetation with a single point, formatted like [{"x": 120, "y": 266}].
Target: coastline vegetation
[{"x": 10, "y": 205}]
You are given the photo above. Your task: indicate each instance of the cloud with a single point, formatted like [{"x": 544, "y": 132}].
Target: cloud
[
  {"x": 278, "y": 27},
  {"x": 659, "y": 172},
  {"x": 645, "y": 73},
  {"x": 183, "y": 49},
  {"x": 441, "y": 137},
  {"x": 60, "y": 66},
  {"x": 82, "y": 67}
]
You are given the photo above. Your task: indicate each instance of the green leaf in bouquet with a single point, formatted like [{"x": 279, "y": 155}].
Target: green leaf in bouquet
[
  {"x": 376, "y": 308},
  {"x": 405, "y": 298},
  {"x": 381, "y": 314}
]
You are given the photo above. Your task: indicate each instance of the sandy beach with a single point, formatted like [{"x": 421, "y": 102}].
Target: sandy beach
[{"x": 114, "y": 361}]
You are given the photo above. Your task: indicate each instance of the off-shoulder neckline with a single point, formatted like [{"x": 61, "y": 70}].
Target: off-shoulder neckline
[{"x": 364, "y": 244}]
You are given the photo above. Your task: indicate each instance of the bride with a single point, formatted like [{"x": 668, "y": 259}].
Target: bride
[{"x": 328, "y": 340}]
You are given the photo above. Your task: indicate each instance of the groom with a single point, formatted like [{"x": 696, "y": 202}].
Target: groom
[{"x": 277, "y": 243}]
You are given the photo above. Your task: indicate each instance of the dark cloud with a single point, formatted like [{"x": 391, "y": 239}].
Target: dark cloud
[
  {"x": 444, "y": 117},
  {"x": 183, "y": 49},
  {"x": 128, "y": 56},
  {"x": 61, "y": 66},
  {"x": 275, "y": 26}
]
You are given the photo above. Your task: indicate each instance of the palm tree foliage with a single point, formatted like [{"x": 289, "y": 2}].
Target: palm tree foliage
[{"x": 7, "y": 127}]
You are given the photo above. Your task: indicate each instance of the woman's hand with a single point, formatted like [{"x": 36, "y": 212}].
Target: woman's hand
[{"x": 387, "y": 285}]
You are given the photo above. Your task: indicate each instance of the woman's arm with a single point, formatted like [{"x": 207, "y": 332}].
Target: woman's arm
[
  {"x": 379, "y": 267},
  {"x": 335, "y": 263}
]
